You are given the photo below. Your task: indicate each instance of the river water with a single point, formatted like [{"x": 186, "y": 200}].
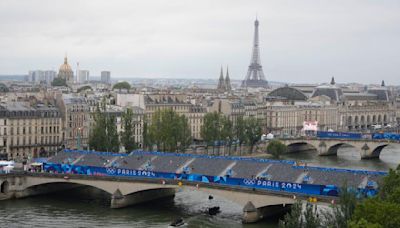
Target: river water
[{"x": 64, "y": 210}]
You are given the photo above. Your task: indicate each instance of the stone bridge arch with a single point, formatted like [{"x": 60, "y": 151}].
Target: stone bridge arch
[
  {"x": 376, "y": 151},
  {"x": 255, "y": 205},
  {"x": 300, "y": 145},
  {"x": 122, "y": 193},
  {"x": 333, "y": 148}
]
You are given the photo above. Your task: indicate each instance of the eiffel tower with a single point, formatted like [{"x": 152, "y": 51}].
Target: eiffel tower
[{"x": 255, "y": 76}]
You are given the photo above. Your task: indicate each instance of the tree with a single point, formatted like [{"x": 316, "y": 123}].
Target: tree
[
  {"x": 122, "y": 85},
  {"x": 216, "y": 128},
  {"x": 239, "y": 131},
  {"x": 252, "y": 131},
  {"x": 210, "y": 129},
  {"x": 294, "y": 219},
  {"x": 384, "y": 209},
  {"x": 146, "y": 135},
  {"x": 83, "y": 88},
  {"x": 98, "y": 133},
  {"x": 343, "y": 212},
  {"x": 184, "y": 132},
  {"x": 59, "y": 82},
  {"x": 169, "y": 131},
  {"x": 103, "y": 135},
  {"x": 128, "y": 133},
  {"x": 276, "y": 148},
  {"x": 112, "y": 134}
]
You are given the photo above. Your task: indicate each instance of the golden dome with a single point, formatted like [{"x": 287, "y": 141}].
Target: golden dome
[{"x": 65, "y": 67}]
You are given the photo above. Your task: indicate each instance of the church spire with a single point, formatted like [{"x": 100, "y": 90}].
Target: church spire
[
  {"x": 221, "y": 82},
  {"x": 333, "y": 81},
  {"x": 227, "y": 80}
]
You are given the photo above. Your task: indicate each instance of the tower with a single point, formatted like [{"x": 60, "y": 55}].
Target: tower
[
  {"x": 255, "y": 75},
  {"x": 333, "y": 81},
  {"x": 221, "y": 81},
  {"x": 228, "y": 86}
]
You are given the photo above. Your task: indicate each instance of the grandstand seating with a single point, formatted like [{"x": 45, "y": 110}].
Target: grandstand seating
[
  {"x": 284, "y": 172},
  {"x": 212, "y": 166},
  {"x": 207, "y": 166},
  {"x": 65, "y": 157},
  {"x": 132, "y": 161},
  {"x": 94, "y": 160},
  {"x": 248, "y": 169},
  {"x": 169, "y": 164}
]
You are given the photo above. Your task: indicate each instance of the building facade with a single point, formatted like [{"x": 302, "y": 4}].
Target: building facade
[
  {"x": 29, "y": 131},
  {"x": 106, "y": 77}
]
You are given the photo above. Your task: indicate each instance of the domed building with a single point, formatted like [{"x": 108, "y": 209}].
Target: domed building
[{"x": 65, "y": 72}]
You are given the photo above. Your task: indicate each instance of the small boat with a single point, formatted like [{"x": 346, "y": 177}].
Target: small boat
[
  {"x": 213, "y": 210},
  {"x": 177, "y": 223}
]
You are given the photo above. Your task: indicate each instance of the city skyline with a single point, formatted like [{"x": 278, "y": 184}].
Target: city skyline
[{"x": 155, "y": 40}]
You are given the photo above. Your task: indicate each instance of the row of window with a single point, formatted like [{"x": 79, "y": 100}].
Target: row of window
[
  {"x": 30, "y": 130},
  {"x": 25, "y": 141},
  {"x": 32, "y": 121}
]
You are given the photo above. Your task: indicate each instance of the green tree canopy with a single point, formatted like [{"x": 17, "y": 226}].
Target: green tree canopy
[
  {"x": 128, "y": 133},
  {"x": 83, "y": 88},
  {"x": 103, "y": 135},
  {"x": 122, "y": 85},
  {"x": 59, "y": 82},
  {"x": 216, "y": 128},
  {"x": 169, "y": 131},
  {"x": 276, "y": 148},
  {"x": 384, "y": 209},
  {"x": 252, "y": 131}
]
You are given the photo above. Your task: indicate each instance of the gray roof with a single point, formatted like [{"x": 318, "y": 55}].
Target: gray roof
[{"x": 288, "y": 93}]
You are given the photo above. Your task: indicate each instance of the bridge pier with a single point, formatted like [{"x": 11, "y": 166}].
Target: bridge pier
[
  {"x": 251, "y": 214},
  {"x": 118, "y": 200}
]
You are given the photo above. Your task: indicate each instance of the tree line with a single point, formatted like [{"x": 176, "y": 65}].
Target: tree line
[
  {"x": 170, "y": 131},
  {"x": 380, "y": 211},
  {"x": 218, "y": 129},
  {"x": 104, "y": 136}
]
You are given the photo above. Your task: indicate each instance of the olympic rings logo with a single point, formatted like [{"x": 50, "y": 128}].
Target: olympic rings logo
[
  {"x": 110, "y": 171},
  {"x": 249, "y": 181}
]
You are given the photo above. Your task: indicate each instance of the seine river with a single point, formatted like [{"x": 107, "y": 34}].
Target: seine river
[{"x": 67, "y": 211}]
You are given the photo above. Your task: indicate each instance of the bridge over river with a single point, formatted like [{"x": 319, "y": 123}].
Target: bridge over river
[
  {"x": 262, "y": 187},
  {"x": 368, "y": 148}
]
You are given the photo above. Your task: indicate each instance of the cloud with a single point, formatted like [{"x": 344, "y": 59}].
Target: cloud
[{"x": 301, "y": 41}]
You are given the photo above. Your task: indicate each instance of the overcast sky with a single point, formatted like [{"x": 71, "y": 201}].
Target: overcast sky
[{"x": 301, "y": 41}]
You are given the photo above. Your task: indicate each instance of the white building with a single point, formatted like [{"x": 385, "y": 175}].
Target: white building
[
  {"x": 83, "y": 76},
  {"x": 106, "y": 77},
  {"x": 38, "y": 76}
]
